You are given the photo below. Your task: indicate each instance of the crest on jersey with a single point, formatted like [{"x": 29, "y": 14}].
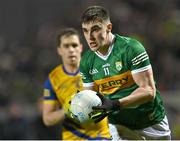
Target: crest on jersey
[{"x": 118, "y": 65}]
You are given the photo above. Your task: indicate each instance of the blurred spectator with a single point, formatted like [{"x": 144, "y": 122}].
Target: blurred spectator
[
  {"x": 1, "y": 124},
  {"x": 16, "y": 126}
]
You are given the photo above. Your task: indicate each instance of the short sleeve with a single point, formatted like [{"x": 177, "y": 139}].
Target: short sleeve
[
  {"x": 138, "y": 59},
  {"x": 49, "y": 93},
  {"x": 84, "y": 72}
]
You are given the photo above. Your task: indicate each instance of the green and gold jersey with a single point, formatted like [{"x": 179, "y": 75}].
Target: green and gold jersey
[{"x": 112, "y": 76}]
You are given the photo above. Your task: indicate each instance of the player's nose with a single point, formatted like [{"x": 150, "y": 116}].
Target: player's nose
[{"x": 91, "y": 36}]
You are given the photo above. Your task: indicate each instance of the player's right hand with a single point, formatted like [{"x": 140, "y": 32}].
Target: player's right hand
[{"x": 71, "y": 122}]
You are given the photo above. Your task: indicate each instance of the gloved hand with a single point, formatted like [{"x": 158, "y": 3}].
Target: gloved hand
[
  {"x": 108, "y": 106},
  {"x": 71, "y": 122},
  {"x": 97, "y": 115}
]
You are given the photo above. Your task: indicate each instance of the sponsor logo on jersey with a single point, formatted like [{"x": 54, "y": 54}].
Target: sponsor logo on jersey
[
  {"x": 118, "y": 65},
  {"x": 112, "y": 84},
  {"x": 93, "y": 71},
  {"x": 118, "y": 82}
]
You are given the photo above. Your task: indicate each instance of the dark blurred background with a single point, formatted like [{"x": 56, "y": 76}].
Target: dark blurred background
[{"x": 28, "y": 52}]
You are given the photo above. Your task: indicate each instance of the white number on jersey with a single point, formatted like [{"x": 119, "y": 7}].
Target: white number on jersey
[{"x": 106, "y": 71}]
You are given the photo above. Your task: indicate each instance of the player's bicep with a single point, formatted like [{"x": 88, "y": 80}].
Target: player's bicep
[
  {"x": 144, "y": 79},
  {"x": 49, "y": 98}
]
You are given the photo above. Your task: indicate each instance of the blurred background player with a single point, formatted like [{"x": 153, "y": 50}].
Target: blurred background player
[
  {"x": 120, "y": 68},
  {"x": 62, "y": 83}
]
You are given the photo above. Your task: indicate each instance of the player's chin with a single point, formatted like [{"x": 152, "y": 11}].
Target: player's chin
[
  {"x": 94, "y": 48},
  {"x": 74, "y": 61}
]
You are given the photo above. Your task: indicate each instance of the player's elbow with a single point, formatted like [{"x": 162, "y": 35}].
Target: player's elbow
[
  {"x": 151, "y": 91},
  {"x": 47, "y": 121}
]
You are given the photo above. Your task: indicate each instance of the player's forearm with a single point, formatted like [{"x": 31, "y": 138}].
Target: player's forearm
[
  {"x": 53, "y": 118},
  {"x": 139, "y": 96}
]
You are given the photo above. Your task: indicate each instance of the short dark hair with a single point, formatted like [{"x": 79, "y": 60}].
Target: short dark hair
[
  {"x": 66, "y": 32},
  {"x": 94, "y": 13}
]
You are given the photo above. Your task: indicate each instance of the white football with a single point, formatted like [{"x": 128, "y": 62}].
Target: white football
[{"x": 82, "y": 103}]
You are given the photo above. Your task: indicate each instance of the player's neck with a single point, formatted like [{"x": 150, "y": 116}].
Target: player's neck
[{"x": 71, "y": 68}]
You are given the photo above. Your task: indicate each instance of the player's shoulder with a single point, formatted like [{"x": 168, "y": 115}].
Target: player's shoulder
[
  {"x": 127, "y": 40},
  {"x": 55, "y": 71},
  {"x": 129, "y": 43},
  {"x": 87, "y": 56},
  {"x": 88, "y": 53}
]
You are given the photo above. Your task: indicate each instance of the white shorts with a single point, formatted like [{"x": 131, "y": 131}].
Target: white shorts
[{"x": 158, "y": 131}]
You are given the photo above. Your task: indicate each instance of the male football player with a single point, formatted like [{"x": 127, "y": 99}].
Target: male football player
[
  {"x": 119, "y": 68},
  {"x": 62, "y": 83}
]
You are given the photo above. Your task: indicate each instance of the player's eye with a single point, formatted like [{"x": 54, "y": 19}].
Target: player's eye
[
  {"x": 74, "y": 45},
  {"x": 66, "y": 45},
  {"x": 95, "y": 29}
]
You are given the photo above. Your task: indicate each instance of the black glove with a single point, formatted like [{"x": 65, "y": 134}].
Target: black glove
[
  {"x": 97, "y": 115},
  {"x": 71, "y": 122},
  {"x": 108, "y": 106}
]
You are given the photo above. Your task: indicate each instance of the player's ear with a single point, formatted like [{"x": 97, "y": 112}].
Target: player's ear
[
  {"x": 59, "y": 50},
  {"x": 109, "y": 27},
  {"x": 81, "y": 47}
]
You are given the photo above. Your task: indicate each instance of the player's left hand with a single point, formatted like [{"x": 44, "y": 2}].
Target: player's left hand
[
  {"x": 71, "y": 121},
  {"x": 108, "y": 106},
  {"x": 97, "y": 116}
]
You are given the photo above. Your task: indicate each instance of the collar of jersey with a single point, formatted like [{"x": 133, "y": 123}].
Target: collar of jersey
[
  {"x": 69, "y": 73},
  {"x": 105, "y": 57}
]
